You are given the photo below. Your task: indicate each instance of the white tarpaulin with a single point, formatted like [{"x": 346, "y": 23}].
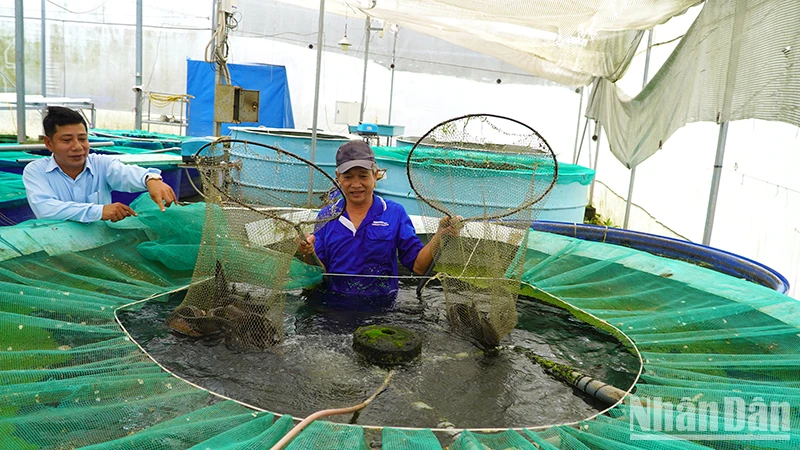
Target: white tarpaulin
[
  {"x": 566, "y": 41},
  {"x": 739, "y": 60}
]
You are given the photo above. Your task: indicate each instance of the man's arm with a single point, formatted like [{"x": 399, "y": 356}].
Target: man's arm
[
  {"x": 307, "y": 249},
  {"x": 45, "y": 203},
  {"x": 161, "y": 193},
  {"x": 131, "y": 178},
  {"x": 425, "y": 256}
]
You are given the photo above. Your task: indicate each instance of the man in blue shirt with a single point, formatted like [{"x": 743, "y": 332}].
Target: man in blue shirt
[
  {"x": 75, "y": 185},
  {"x": 370, "y": 235}
]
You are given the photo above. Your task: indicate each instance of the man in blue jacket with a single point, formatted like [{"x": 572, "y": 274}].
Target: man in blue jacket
[
  {"x": 370, "y": 236},
  {"x": 73, "y": 184}
]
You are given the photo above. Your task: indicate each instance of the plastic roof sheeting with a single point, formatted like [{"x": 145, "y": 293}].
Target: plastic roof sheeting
[
  {"x": 739, "y": 60},
  {"x": 564, "y": 41}
]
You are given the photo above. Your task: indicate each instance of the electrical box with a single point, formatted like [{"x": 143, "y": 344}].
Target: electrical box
[
  {"x": 232, "y": 104},
  {"x": 347, "y": 113}
]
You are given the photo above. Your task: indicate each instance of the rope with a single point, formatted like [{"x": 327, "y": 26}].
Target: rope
[
  {"x": 164, "y": 100},
  {"x": 191, "y": 182}
]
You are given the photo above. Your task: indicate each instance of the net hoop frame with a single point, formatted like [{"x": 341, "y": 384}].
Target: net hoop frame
[
  {"x": 494, "y": 216},
  {"x": 263, "y": 212}
]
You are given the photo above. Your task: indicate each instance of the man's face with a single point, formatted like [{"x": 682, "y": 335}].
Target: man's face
[
  {"x": 70, "y": 146},
  {"x": 358, "y": 184}
]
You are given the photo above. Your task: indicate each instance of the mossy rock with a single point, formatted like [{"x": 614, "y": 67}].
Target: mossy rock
[{"x": 386, "y": 345}]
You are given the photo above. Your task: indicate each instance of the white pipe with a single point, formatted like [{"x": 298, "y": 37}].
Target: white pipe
[
  {"x": 16, "y": 147},
  {"x": 715, "y": 179}
]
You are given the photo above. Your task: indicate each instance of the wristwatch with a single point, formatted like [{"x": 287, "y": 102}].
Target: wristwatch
[{"x": 152, "y": 176}]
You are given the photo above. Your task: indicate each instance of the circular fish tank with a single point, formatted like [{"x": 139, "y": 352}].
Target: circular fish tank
[
  {"x": 297, "y": 142},
  {"x": 451, "y": 383}
]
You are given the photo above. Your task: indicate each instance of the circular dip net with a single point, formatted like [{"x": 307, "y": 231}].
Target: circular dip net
[
  {"x": 487, "y": 174},
  {"x": 260, "y": 202}
]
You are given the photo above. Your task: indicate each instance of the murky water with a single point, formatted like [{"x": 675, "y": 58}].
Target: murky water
[{"x": 316, "y": 368}]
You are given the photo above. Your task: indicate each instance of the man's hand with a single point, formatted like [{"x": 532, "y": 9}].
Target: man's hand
[
  {"x": 450, "y": 226},
  {"x": 161, "y": 193},
  {"x": 117, "y": 211},
  {"x": 306, "y": 247}
]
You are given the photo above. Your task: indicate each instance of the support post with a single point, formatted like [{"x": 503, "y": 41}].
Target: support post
[
  {"x": 367, "y": 25},
  {"x": 315, "y": 114},
  {"x": 578, "y": 127},
  {"x": 391, "y": 83},
  {"x": 19, "y": 44},
  {"x": 138, "y": 83},
  {"x": 219, "y": 21},
  {"x": 213, "y": 16},
  {"x": 715, "y": 179},
  {"x": 633, "y": 170},
  {"x": 628, "y": 202},
  {"x": 577, "y": 155},
  {"x": 599, "y": 133},
  {"x": 43, "y": 50}
]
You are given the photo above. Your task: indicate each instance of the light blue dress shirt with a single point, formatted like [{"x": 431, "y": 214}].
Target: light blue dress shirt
[{"x": 52, "y": 194}]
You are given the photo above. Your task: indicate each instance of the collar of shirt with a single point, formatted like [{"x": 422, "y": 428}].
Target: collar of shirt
[
  {"x": 53, "y": 165},
  {"x": 378, "y": 207}
]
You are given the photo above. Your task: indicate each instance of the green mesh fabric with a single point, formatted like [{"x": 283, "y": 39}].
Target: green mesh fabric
[
  {"x": 139, "y": 139},
  {"x": 70, "y": 377},
  {"x": 567, "y": 173},
  {"x": 409, "y": 439},
  {"x": 12, "y": 191},
  {"x": 505, "y": 439},
  {"x": 323, "y": 435}
]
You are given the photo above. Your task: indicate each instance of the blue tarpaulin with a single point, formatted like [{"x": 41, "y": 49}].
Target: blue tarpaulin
[{"x": 274, "y": 111}]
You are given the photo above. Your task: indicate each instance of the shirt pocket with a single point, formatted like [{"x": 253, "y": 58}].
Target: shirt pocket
[
  {"x": 94, "y": 197},
  {"x": 379, "y": 233}
]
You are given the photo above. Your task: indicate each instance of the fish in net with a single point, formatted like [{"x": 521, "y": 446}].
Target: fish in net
[
  {"x": 260, "y": 200},
  {"x": 487, "y": 173}
]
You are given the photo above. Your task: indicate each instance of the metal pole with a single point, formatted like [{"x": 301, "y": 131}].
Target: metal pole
[
  {"x": 366, "y": 61},
  {"x": 633, "y": 170},
  {"x": 391, "y": 83},
  {"x": 213, "y": 16},
  {"x": 315, "y": 114},
  {"x": 628, "y": 202},
  {"x": 19, "y": 44},
  {"x": 598, "y": 132},
  {"x": 43, "y": 50},
  {"x": 218, "y": 73},
  {"x": 138, "y": 90},
  {"x": 712, "y": 197},
  {"x": 578, "y": 126},
  {"x": 577, "y": 156},
  {"x": 647, "y": 57}
]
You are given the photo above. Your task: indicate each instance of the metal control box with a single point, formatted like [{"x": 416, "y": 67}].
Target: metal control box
[{"x": 232, "y": 104}]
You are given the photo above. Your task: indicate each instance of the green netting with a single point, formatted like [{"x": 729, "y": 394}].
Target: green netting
[
  {"x": 145, "y": 141},
  {"x": 567, "y": 173},
  {"x": 70, "y": 377},
  {"x": 12, "y": 191}
]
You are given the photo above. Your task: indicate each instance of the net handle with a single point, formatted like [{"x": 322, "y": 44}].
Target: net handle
[{"x": 499, "y": 215}]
